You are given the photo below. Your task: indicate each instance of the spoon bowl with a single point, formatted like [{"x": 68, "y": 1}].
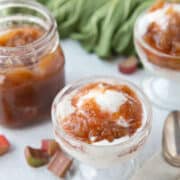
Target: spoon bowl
[{"x": 171, "y": 139}]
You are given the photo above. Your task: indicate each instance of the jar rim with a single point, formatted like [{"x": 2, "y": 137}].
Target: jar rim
[
  {"x": 137, "y": 137},
  {"x": 33, "y": 5}
]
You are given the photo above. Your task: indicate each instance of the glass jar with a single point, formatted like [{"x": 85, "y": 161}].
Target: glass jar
[{"x": 31, "y": 63}]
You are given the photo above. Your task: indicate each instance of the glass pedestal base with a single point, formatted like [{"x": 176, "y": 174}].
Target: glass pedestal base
[
  {"x": 122, "y": 171},
  {"x": 163, "y": 92}
]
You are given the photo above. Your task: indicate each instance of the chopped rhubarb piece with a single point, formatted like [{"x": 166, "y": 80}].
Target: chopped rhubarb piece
[
  {"x": 128, "y": 66},
  {"x": 36, "y": 157},
  {"x": 49, "y": 146},
  {"x": 19, "y": 75},
  {"x": 4, "y": 145},
  {"x": 60, "y": 164}
]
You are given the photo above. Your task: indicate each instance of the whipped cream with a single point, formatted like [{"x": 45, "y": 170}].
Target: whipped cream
[{"x": 110, "y": 101}]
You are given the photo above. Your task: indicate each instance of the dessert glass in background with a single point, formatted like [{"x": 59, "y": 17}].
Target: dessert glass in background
[
  {"x": 31, "y": 63},
  {"x": 157, "y": 41},
  {"x": 101, "y": 156}
]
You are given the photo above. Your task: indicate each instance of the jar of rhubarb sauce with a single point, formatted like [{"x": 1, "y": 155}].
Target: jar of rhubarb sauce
[{"x": 31, "y": 63}]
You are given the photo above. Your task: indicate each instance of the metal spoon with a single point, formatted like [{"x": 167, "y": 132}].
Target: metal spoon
[{"x": 171, "y": 139}]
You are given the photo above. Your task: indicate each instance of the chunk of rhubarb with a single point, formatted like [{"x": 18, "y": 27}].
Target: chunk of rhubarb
[
  {"x": 18, "y": 76},
  {"x": 49, "y": 146},
  {"x": 60, "y": 164},
  {"x": 128, "y": 66},
  {"x": 4, "y": 145},
  {"x": 36, "y": 157}
]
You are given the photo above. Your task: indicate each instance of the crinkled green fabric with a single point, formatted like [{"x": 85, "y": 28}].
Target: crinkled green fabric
[{"x": 102, "y": 26}]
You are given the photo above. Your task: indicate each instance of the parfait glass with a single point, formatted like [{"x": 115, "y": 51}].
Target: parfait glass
[
  {"x": 102, "y": 161},
  {"x": 163, "y": 87}
]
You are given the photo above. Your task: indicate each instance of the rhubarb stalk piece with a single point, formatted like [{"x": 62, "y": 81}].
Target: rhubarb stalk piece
[
  {"x": 128, "y": 66},
  {"x": 49, "y": 146},
  {"x": 59, "y": 164},
  {"x": 4, "y": 145},
  {"x": 36, "y": 157}
]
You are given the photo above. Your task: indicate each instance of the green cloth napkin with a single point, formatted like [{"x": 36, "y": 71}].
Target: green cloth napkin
[{"x": 102, "y": 26}]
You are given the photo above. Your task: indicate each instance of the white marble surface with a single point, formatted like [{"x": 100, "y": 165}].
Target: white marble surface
[
  {"x": 157, "y": 168},
  {"x": 78, "y": 65}
]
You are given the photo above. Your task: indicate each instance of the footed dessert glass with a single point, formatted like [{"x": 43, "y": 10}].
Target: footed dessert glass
[
  {"x": 103, "y": 161},
  {"x": 163, "y": 88}
]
